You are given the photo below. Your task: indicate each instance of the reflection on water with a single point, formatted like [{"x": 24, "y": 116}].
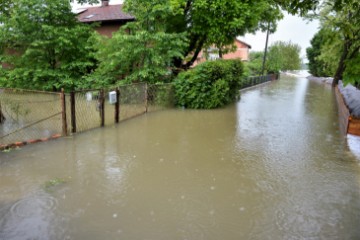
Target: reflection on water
[{"x": 272, "y": 166}]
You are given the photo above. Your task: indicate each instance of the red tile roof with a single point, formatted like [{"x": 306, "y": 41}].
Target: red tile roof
[{"x": 104, "y": 14}]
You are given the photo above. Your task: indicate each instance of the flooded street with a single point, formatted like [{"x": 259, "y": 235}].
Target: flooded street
[{"x": 272, "y": 166}]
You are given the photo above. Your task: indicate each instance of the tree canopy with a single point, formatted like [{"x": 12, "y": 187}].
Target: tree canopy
[
  {"x": 283, "y": 56},
  {"x": 54, "y": 50},
  {"x": 216, "y": 23},
  {"x": 44, "y": 45},
  {"x": 141, "y": 51},
  {"x": 341, "y": 21}
]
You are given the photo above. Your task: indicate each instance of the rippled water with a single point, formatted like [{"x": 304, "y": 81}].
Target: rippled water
[{"x": 272, "y": 166}]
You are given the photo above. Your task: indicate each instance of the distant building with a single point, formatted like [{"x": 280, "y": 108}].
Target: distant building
[
  {"x": 241, "y": 52},
  {"x": 109, "y": 17}
]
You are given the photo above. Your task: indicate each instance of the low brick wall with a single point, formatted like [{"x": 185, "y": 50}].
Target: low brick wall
[{"x": 349, "y": 122}]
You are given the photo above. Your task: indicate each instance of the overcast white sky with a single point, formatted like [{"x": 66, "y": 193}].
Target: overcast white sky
[{"x": 291, "y": 28}]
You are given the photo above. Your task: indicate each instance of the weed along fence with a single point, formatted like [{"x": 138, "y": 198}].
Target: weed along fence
[{"x": 32, "y": 116}]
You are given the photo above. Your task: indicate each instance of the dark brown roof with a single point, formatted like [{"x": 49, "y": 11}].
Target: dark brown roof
[
  {"x": 104, "y": 14},
  {"x": 249, "y": 46}
]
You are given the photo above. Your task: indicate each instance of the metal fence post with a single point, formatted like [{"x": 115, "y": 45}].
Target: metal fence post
[
  {"x": 102, "y": 107},
  {"x": 117, "y": 106},
  {"x": 73, "y": 112},
  {"x": 146, "y": 97},
  {"x": 2, "y": 117},
  {"x": 63, "y": 112}
]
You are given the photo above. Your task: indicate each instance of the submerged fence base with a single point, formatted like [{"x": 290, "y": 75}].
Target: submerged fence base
[{"x": 31, "y": 116}]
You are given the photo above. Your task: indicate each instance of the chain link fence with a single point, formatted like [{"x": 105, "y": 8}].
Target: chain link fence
[
  {"x": 161, "y": 96},
  {"x": 27, "y": 115}
]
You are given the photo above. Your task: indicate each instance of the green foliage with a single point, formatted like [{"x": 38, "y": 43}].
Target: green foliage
[
  {"x": 342, "y": 48},
  {"x": 140, "y": 56},
  {"x": 255, "y": 63},
  {"x": 324, "y": 53},
  {"x": 211, "y": 84},
  {"x": 283, "y": 56},
  {"x": 49, "y": 186},
  {"x": 46, "y": 47},
  {"x": 140, "y": 51},
  {"x": 352, "y": 72},
  {"x": 217, "y": 23}
]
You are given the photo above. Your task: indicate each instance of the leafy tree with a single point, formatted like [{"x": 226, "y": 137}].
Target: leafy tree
[
  {"x": 322, "y": 57},
  {"x": 315, "y": 65},
  {"x": 283, "y": 56},
  {"x": 342, "y": 18},
  {"x": 141, "y": 51},
  {"x": 7, "y": 5},
  {"x": 216, "y": 23},
  {"x": 49, "y": 48},
  {"x": 347, "y": 21}
]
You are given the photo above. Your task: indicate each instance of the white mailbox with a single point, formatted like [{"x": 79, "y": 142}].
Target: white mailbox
[
  {"x": 112, "y": 97},
  {"x": 88, "y": 96}
]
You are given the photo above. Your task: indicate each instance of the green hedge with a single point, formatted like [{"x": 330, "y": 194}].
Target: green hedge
[{"x": 212, "y": 84}]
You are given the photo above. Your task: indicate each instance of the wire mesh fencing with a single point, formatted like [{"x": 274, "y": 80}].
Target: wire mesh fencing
[
  {"x": 133, "y": 100},
  {"x": 90, "y": 109},
  {"x": 160, "y": 96},
  {"x": 28, "y": 115}
]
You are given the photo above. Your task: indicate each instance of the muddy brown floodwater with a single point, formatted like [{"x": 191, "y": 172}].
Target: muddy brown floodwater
[{"x": 272, "y": 166}]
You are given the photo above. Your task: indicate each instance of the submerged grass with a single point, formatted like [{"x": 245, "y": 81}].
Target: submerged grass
[{"x": 51, "y": 184}]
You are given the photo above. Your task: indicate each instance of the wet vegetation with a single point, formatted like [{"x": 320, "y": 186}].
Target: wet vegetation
[{"x": 211, "y": 84}]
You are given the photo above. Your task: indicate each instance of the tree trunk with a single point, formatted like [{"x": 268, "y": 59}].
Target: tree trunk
[
  {"x": 341, "y": 66},
  {"x": 220, "y": 53},
  {"x": 178, "y": 62},
  {"x": 196, "y": 54}
]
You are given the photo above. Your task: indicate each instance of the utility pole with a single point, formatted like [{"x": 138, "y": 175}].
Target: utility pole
[{"x": 266, "y": 47}]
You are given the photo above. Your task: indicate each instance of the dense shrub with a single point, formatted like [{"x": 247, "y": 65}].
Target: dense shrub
[{"x": 209, "y": 85}]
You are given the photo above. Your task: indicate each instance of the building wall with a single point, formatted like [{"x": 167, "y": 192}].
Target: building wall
[
  {"x": 241, "y": 52},
  {"x": 107, "y": 29}
]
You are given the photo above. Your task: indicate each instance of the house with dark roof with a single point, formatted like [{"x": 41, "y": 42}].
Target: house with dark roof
[{"x": 109, "y": 17}]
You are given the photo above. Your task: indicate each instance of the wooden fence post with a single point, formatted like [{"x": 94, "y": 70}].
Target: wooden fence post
[
  {"x": 117, "y": 106},
  {"x": 63, "y": 113},
  {"x": 73, "y": 112},
  {"x": 102, "y": 107}
]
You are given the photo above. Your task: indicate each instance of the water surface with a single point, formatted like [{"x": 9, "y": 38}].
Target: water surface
[{"x": 272, "y": 166}]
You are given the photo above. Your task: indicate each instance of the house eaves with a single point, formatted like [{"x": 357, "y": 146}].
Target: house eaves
[{"x": 110, "y": 13}]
